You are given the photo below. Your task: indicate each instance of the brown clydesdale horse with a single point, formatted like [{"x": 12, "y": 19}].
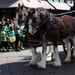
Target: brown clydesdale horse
[{"x": 47, "y": 27}]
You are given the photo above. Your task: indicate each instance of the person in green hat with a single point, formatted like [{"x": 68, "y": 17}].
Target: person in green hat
[{"x": 4, "y": 36}]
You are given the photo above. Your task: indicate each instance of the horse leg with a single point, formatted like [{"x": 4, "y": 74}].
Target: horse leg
[
  {"x": 42, "y": 62},
  {"x": 57, "y": 60},
  {"x": 68, "y": 53},
  {"x": 64, "y": 47},
  {"x": 34, "y": 57},
  {"x": 50, "y": 52},
  {"x": 73, "y": 46}
]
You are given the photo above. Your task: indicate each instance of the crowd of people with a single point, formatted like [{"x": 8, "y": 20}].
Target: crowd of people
[
  {"x": 11, "y": 35},
  {"x": 14, "y": 31}
]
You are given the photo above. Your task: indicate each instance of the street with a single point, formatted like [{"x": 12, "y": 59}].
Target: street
[
  {"x": 17, "y": 63},
  {"x": 22, "y": 68}
]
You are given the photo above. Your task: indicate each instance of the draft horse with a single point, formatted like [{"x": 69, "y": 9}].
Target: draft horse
[{"x": 54, "y": 29}]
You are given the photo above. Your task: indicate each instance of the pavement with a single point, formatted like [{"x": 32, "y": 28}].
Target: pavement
[
  {"x": 17, "y": 63},
  {"x": 23, "y": 68},
  {"x": 9, "y": 57}
]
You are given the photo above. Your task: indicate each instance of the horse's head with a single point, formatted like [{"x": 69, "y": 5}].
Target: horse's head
[
  {"x": 34, "y": 19},
  {"x": 22, "y": 14}
]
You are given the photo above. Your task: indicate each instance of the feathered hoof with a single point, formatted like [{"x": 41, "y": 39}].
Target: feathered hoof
[
  {"x": 22, "y": 48},
  {"x": 35, "y": 66},
  {"x": 67, "y": 60},
  {"x": 17, "y": 49},
  {"x": 56, "y": 64},
  {"x": 40, "y": 68},
  {"x": 72, "y": 58},
  {"x": 73, "y": 55}
]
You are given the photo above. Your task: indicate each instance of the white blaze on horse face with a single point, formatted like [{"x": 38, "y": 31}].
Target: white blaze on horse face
[
  {"x": 51, "y": 17},
  {"x": 30, "y": 26},
  {"x": 19, "y": 31},
  {"x": 22, "y": 27},
  {"x": 30, "y": 29}
]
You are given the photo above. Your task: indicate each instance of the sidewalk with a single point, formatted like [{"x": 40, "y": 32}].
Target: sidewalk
[
  {"x": 21, "y": 56},
  {"x": 16, "y": 53}
]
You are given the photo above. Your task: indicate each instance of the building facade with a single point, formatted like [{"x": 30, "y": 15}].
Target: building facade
[
  {"x": 62, "y": 4},
  {"x": 8, "y": 7}
]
